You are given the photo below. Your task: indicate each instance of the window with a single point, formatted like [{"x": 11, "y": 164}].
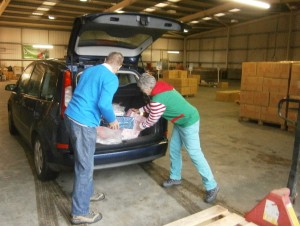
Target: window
[
  {"x": 24, "y": 80},
  {"x": 35, "y": 80},
  {"x": 49, "y": 84}
]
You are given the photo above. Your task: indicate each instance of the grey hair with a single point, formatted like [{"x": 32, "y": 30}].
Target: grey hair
[{"x": 146, "y": 81}]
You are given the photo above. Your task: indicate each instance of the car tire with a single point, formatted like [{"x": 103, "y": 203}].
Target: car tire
[
  {"x": 44, "y": 173},
  {"x": 11, "y": 124}
]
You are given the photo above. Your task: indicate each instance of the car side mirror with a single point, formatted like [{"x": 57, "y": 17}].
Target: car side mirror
[{"x": 11, "y": 87}]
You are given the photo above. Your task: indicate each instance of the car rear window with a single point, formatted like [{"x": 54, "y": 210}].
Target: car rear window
[{"x": 102, "y": 38}]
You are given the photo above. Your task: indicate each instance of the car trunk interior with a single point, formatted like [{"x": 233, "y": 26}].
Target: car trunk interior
[{"x": 130, "y": 96}]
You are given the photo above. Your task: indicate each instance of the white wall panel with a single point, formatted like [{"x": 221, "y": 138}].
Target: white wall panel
[
  {"x": 58, "y": 52},
  {"x": 193, "y": 44},
  {"x": 11, "y": 35},
  {"x": 207, "y": 43},
  {"x": 220, "y": 43},
  {"x": 10, "y": 51},
  {"x": 206, "y": 56},
  {"x": 146, "y": 55},
  {"x": 237, "y": 56},
  {"x": 238, "y": 42},
  {"x": 175, "y": 44},
  {"x": 156, "y": 56},
  {"x": 160, "y": 44},
  {"x": 258, "y": 41},
  {"x": 193, "y": 56},
  {"x": 32, "y": 36},
  {"x": 59, "y": 37},
  {"x": 257, "y": 55}
]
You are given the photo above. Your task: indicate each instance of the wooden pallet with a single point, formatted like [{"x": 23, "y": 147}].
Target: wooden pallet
[{"x": 213, "y": 216}]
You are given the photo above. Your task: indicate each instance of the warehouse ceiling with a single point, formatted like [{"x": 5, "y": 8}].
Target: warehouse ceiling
[{"x": 201, "y": 15}]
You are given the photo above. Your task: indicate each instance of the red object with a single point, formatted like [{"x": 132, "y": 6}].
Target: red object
[{"x": 275, "y": 209}]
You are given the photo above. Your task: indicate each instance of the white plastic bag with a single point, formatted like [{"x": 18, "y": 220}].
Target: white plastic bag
[{"x": 106, "y": 135}]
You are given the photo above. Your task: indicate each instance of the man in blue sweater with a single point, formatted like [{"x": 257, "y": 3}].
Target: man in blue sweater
[{"x": 92, "y": 99}]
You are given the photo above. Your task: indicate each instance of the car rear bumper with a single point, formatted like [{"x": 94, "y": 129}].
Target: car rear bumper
[
  {"x": 132, "y": 156},
  {"x": 116, "y": 158}
]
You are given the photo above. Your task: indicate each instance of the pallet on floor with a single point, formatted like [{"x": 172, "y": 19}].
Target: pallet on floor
[
  {"x": 263, "y": 122},
  {"x": 213, "y": 216}
]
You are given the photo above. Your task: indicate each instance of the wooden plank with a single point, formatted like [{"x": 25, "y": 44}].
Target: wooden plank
[
  {"x": 201, "y": 217},
  {"x": 231, "y": 220}
]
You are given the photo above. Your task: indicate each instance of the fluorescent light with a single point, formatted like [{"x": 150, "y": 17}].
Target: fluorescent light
[
  {"x": 43, "y": 46},
  {"x": 161, "y": 5},
  {"x": 149, "y": 10},
  {"x": 234, "y": 10},
  {"x": 254, "y": 3},
  {"x": 49, "y": 3},
  {"x": 119, "y": 11},
  {"x": 185, "y": 30},
  {"x": 42, "y": 9},
  {"x": 51, "y": 17},
  {"x": 174, "y": 0},
  {"x": 207, "y": 18},
  {"x": 37, "y": 14},
  {"x": 194, "y": 22},
  {"x": 83, "y": 0},
  {"x": 173, "y": 52},
  {"x": 219, "y": 14}
]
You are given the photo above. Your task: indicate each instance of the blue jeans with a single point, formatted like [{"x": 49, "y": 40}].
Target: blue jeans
[
  {"x": 83, "y": 140},
  {"x": 189, "y": 138}
]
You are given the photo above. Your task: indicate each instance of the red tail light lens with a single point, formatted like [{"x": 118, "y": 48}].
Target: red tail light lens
[{"x": 66, "y": 92}]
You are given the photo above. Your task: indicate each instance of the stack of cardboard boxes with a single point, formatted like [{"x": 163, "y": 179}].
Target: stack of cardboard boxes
[
  {"x": 263, "y": 85},
  {"x": 184, "y": 84}
]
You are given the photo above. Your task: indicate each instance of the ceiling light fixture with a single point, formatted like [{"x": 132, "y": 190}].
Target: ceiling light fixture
[
  {"x": 174, "y": 0},
  {"x": 37, "y": 14},
  {"x": 219, "y": 14},
  {"x": 43, "y": 46},
  {"x": 161, "y": 5},
  {"x": 259, "y": 4},
  {"x": 83, "y": 0},
  {"x": 51, "y": 17},
  {"x": 149, "y": 10},
  {"x": 173, "y": 52},
  {"x": 49, "y": 3},
  {"x": 207, "y": 18},
  {"x": 42, "y": 9},
  {"x": 234, "y": 10},
  {"x": 194, "y": 22}
]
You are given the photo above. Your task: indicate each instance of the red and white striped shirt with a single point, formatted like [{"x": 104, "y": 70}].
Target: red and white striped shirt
[{"x": 155, "y": 111}]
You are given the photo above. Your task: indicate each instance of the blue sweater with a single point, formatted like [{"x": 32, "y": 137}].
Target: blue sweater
[{"x": 93, "y": 96}]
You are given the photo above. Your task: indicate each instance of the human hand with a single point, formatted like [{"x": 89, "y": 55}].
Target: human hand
[
  {"x": 114, "y": 125},
  {"x": 135, "y": 110}
]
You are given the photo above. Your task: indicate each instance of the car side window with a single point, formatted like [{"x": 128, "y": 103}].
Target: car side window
[
  {"x": 35, "y": 80},
  {"x": 49, "y": 84},
  {"x": 24, "y": 80}
]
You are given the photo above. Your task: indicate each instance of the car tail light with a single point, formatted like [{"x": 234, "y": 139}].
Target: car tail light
[{"x": 66, "y": 92}]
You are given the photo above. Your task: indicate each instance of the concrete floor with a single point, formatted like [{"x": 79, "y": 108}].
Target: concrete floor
[{"x": 248, "y": 160}]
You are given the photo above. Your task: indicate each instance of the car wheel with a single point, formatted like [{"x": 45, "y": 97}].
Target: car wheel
[
  {"x": 43, "y": 171},
  {"x": 11, "y": 125}
]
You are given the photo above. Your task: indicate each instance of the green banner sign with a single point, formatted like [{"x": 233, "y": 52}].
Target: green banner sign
[{"x": 34, "y": 53}]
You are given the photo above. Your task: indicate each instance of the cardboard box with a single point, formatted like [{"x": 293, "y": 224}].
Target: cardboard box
[
  {"x": 250, "y": 111},
  {"x": 274, "y": 69},
  {"x": 223, "y": 85},
  {"x": 274, "y": 85},
  {"x": 184, "y": 90},
  {"x": 275, "y": 98},
  {"x": 255, "y": 98},
  {"x": 270, "y": 114},
  {"x": 249, "y": 69},
  {"x": 294, "y": 88},
  {"x": 252, "y": 83},
  {"x": 228, "y": 95}
]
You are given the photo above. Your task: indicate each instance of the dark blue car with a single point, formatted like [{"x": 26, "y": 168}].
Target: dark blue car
[{"x": 40, "y": 96}]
